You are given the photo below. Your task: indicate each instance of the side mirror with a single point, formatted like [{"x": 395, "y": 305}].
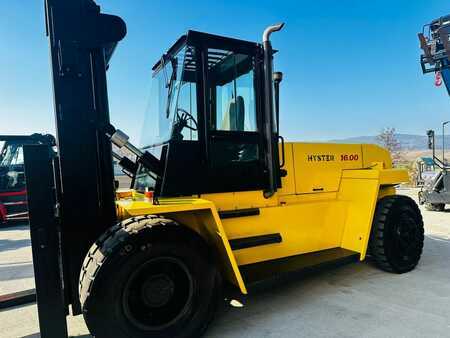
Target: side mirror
[
  {"x": 277, "y": 78},
  {"x": 430, "y": 134}
]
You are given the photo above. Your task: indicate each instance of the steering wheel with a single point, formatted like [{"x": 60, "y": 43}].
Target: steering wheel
[{"x": 184, "y": 118}]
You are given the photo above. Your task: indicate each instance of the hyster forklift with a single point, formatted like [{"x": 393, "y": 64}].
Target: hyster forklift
[
  {"x": 435, "y": 44},
  {"x": 13, "y": 193},
  {"x": 218, "y": 198}
]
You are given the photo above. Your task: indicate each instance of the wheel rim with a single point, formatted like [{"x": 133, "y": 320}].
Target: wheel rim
[
  {"x": 158, "y": 293},
  {"x": 405, "y": 239}
]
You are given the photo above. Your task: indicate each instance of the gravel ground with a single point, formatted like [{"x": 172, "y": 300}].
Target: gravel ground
[{"x": 347, "y": 301}]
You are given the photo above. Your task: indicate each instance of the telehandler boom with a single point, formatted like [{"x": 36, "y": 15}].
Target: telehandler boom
[
  {"x": 435, "y": 45},
  {"x": 218, "y": 197}
]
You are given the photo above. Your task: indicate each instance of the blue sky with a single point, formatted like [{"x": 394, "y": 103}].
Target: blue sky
[{"x": 351, "y": 67}]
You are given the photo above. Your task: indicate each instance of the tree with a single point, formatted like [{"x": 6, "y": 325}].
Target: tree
[{"x": 388, "y": 139}]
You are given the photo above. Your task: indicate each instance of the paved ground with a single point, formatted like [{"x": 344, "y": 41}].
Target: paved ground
[{"x": 347, "y": 301}]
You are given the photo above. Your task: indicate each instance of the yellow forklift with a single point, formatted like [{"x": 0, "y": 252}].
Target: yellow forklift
[{"x": 218, "y": 198}]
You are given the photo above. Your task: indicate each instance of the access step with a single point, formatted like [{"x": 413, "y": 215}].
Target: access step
[{"x": 264, "y": 270}]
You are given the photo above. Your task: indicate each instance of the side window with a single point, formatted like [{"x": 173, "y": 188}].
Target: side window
[
  {"x": 231, "y": 87},
  {"x": 232, "y": 91}
]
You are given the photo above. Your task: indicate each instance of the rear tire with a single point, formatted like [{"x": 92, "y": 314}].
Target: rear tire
[
  {"x": 435, "y": 206},
  {"x": 149, "y": 277},
  {"x": 397, "y": 235}
]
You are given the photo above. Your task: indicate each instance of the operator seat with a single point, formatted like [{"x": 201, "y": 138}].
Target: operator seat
[
  {"x": 236, "y": 151},
  {"x": 234, "y": 117}
]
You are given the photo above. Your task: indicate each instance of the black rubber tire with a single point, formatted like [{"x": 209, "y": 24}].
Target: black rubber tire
[
  {"x": 435, "y": 206},
  {"x": 397, "y": 235},
  {"x": 131, "y": 246}
]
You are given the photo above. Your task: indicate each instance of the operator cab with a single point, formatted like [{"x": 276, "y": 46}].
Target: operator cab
[
  {"x": 206, "y": 121},
  {"x": 12, "y": 169}
]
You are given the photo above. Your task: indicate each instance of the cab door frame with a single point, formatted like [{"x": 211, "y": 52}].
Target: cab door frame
[{"x": 236, "y": 176}]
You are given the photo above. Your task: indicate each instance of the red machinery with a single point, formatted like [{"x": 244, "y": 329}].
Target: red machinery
[{"x": 13, "y": 193}]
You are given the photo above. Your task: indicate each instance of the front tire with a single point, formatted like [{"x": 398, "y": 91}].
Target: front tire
[
  {"x": 149, "y": 277},
  {"x": 397, "y": 235}
]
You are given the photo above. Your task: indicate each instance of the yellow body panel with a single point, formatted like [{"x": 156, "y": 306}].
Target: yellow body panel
[
  {"x": 373, "y": 154},
  {"x": 304, "y": 227},
  {"x": 318, "y": 167},
  {"x": 359, "y": 211},
  {"x": 327, "y": 200}
]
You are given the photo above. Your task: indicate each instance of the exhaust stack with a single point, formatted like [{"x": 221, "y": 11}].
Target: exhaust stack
[
  {"x": 271, "y": 133},
  {"x": 271, "y": 29}
]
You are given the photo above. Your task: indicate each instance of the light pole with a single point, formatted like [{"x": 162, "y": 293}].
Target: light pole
[{"x": 443, "y": 141}]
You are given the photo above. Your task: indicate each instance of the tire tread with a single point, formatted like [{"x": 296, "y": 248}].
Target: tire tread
[
  {"x": 376, "y": 243},
  {"x": 106, "y": 245}
]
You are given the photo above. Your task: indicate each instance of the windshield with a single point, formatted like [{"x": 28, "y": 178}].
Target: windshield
[
  {"x": 11, "y": 154},
  {"x": 172, "y": 110},
  {"x": 11, "y": 167}
]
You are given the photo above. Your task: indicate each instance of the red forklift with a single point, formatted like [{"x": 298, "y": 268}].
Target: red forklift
[{"x": 13, "y": 192}]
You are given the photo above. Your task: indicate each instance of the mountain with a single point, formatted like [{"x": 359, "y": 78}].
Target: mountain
[{"x": 407, "y": 141}]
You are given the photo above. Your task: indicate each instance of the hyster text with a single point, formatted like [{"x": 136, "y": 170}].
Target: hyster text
[{"x": 320, "y": 158}]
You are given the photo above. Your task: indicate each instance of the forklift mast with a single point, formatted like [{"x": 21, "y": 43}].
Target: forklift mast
[{"x": 82, "y": 40}]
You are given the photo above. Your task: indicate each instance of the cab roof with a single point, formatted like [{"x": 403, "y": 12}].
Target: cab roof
[{"x": 201, "y": 39}]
